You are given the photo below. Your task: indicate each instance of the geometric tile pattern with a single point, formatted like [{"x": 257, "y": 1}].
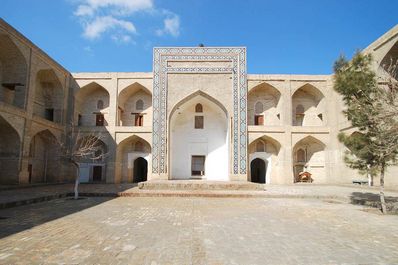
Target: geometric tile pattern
[{"x": 236, "y": 55}]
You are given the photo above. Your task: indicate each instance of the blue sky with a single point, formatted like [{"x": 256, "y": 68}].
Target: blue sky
[{"x": 281, "y": 36}]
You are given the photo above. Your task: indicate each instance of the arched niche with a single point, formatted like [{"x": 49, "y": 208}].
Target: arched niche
[
  {"x": 128, "y": 151},
  {"x": 199, "y": 151},
  {"x": 264, "y": 105},
  {"x": 49, "y": 96},
  {"x": 13, "y": 73},
  {"x": 10, "y": 145},
  {"x": 389, "y": 61},
  {"x": 267, "y": 149},
  {"x": 309, "y": 106},
  {"x": 92, "y": 105},
  {"x": 92, "y": 167},
  {"x": 44, "y": 158},
  {"x": 309, "y": 156},
  {"x": 135, "y": 106}
]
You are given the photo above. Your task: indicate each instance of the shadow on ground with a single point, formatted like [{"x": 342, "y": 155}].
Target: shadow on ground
[
  {"x": 373, "y": 200},
  {"x": 18, "y": 219},
  {"x": 42, "y": 204}
]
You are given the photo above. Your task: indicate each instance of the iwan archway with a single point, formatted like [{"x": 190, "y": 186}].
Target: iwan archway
[{"x": 199, "y": 133}]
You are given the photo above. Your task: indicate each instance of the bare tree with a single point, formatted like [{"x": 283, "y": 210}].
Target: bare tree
[{"x": 84, "y": 147}]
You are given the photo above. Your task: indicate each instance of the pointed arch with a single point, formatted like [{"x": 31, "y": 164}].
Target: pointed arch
[
  {"x": 310, "y": 89},
  {"x": 133, "y": 88},
  {"x": 132, "y": 101},
  {"x": 195, "y": 94},
  {"x": 132, "y": 140},
  {"x": 49, "y": 96},
  {"x": 88, "y": 89},
  {"x": 265, "y": 86},
  {"x": 13, "y": 73},
  {"x": 44, "y": 157},
  {"x": 127, "y": 153},
  {"x": 193, "y": 146},
  {"x": 308, "y": 155},
  {"x": 389, "y": 59},
  {"x": 264, "y": 105},
  {"x": 87, "y": 98},
  {"x": 308, "y": 139},
  {"x": 10, "y": 144},
  {"x": 308, "y": 106},
  {"x": 198, "y": 108},
  {"x": 8, "y": 119},
  {"x": 266, "y": 139}
]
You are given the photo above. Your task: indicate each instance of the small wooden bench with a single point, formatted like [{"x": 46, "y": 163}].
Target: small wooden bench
[{"x": 360, "y": 182}]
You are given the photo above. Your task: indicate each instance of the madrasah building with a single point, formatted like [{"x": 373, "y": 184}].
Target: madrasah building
[{"x": 198, "y": 115}]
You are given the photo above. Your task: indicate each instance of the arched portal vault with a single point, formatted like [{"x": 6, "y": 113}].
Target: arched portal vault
[{"x": 198, "y": 133}]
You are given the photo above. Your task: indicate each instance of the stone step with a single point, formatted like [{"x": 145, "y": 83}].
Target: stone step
[
  {"x": 200, "y": 185},
  {"x": 195, "y": 193}
]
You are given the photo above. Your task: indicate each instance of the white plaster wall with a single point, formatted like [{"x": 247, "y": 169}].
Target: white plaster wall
[{"x": 211, "y": 141}]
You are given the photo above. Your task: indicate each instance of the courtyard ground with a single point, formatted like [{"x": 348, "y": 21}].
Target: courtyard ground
[{"x": 145, "y": 230}]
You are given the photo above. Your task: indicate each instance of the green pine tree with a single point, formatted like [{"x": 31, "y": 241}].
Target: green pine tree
[{"x": 368, "y": 106}]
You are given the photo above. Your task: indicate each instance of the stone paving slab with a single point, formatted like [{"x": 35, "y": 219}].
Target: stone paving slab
[{"x": 196, "y": 231}]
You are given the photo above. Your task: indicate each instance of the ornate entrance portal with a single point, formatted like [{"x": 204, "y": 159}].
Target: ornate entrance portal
[{"x": 218, "y": 73}]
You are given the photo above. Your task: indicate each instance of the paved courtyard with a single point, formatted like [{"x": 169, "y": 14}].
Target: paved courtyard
[{"x": 196, "y": 231}]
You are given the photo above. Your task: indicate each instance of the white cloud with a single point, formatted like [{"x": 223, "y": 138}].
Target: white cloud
[
  {"x": 171, "y": 25},
  {"x": 84, "y": 10},
  {"x": 113, "y": 18},
  {"x": 116, "y": 7},
  {"x": 99, "y": 25},
  {"x": 122, "y": 39}
]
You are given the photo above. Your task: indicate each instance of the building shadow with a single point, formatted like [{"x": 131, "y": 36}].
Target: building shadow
[
  {"x": 373, "y": 200},
  {"x": 18, "y": 219},
  {"x": 50, "y": 205}
]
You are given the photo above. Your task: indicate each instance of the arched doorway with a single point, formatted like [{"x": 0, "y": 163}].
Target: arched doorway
[
  {"x": 140, "y": 170},
  {"x": 128, "y": 151},
  {"x": 258, "y": 168}
]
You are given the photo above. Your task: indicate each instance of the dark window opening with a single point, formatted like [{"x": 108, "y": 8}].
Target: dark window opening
[
  {"x": 79, "y": 120},
  {"x": 97, "y": 173},
  {"x": 139, "y": 105},
  {"x": 49, "y": 114},
  {"x": 199, "y": 122},
  {"x": 198, "y": 108},
  {"x": 99, "y": 120},
  {"x": 258, "y": 120},
  {"x": 139, "y": 120},
  {"x": 198, "y": 166},
  {"x": 100, "y": 104}
]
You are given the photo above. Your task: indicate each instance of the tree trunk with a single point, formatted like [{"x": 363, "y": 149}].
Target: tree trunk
[
  {"x": 370, "y": 176},
  {"x": 382, "y": 198},
  {"x": 77, "y": 180}
]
